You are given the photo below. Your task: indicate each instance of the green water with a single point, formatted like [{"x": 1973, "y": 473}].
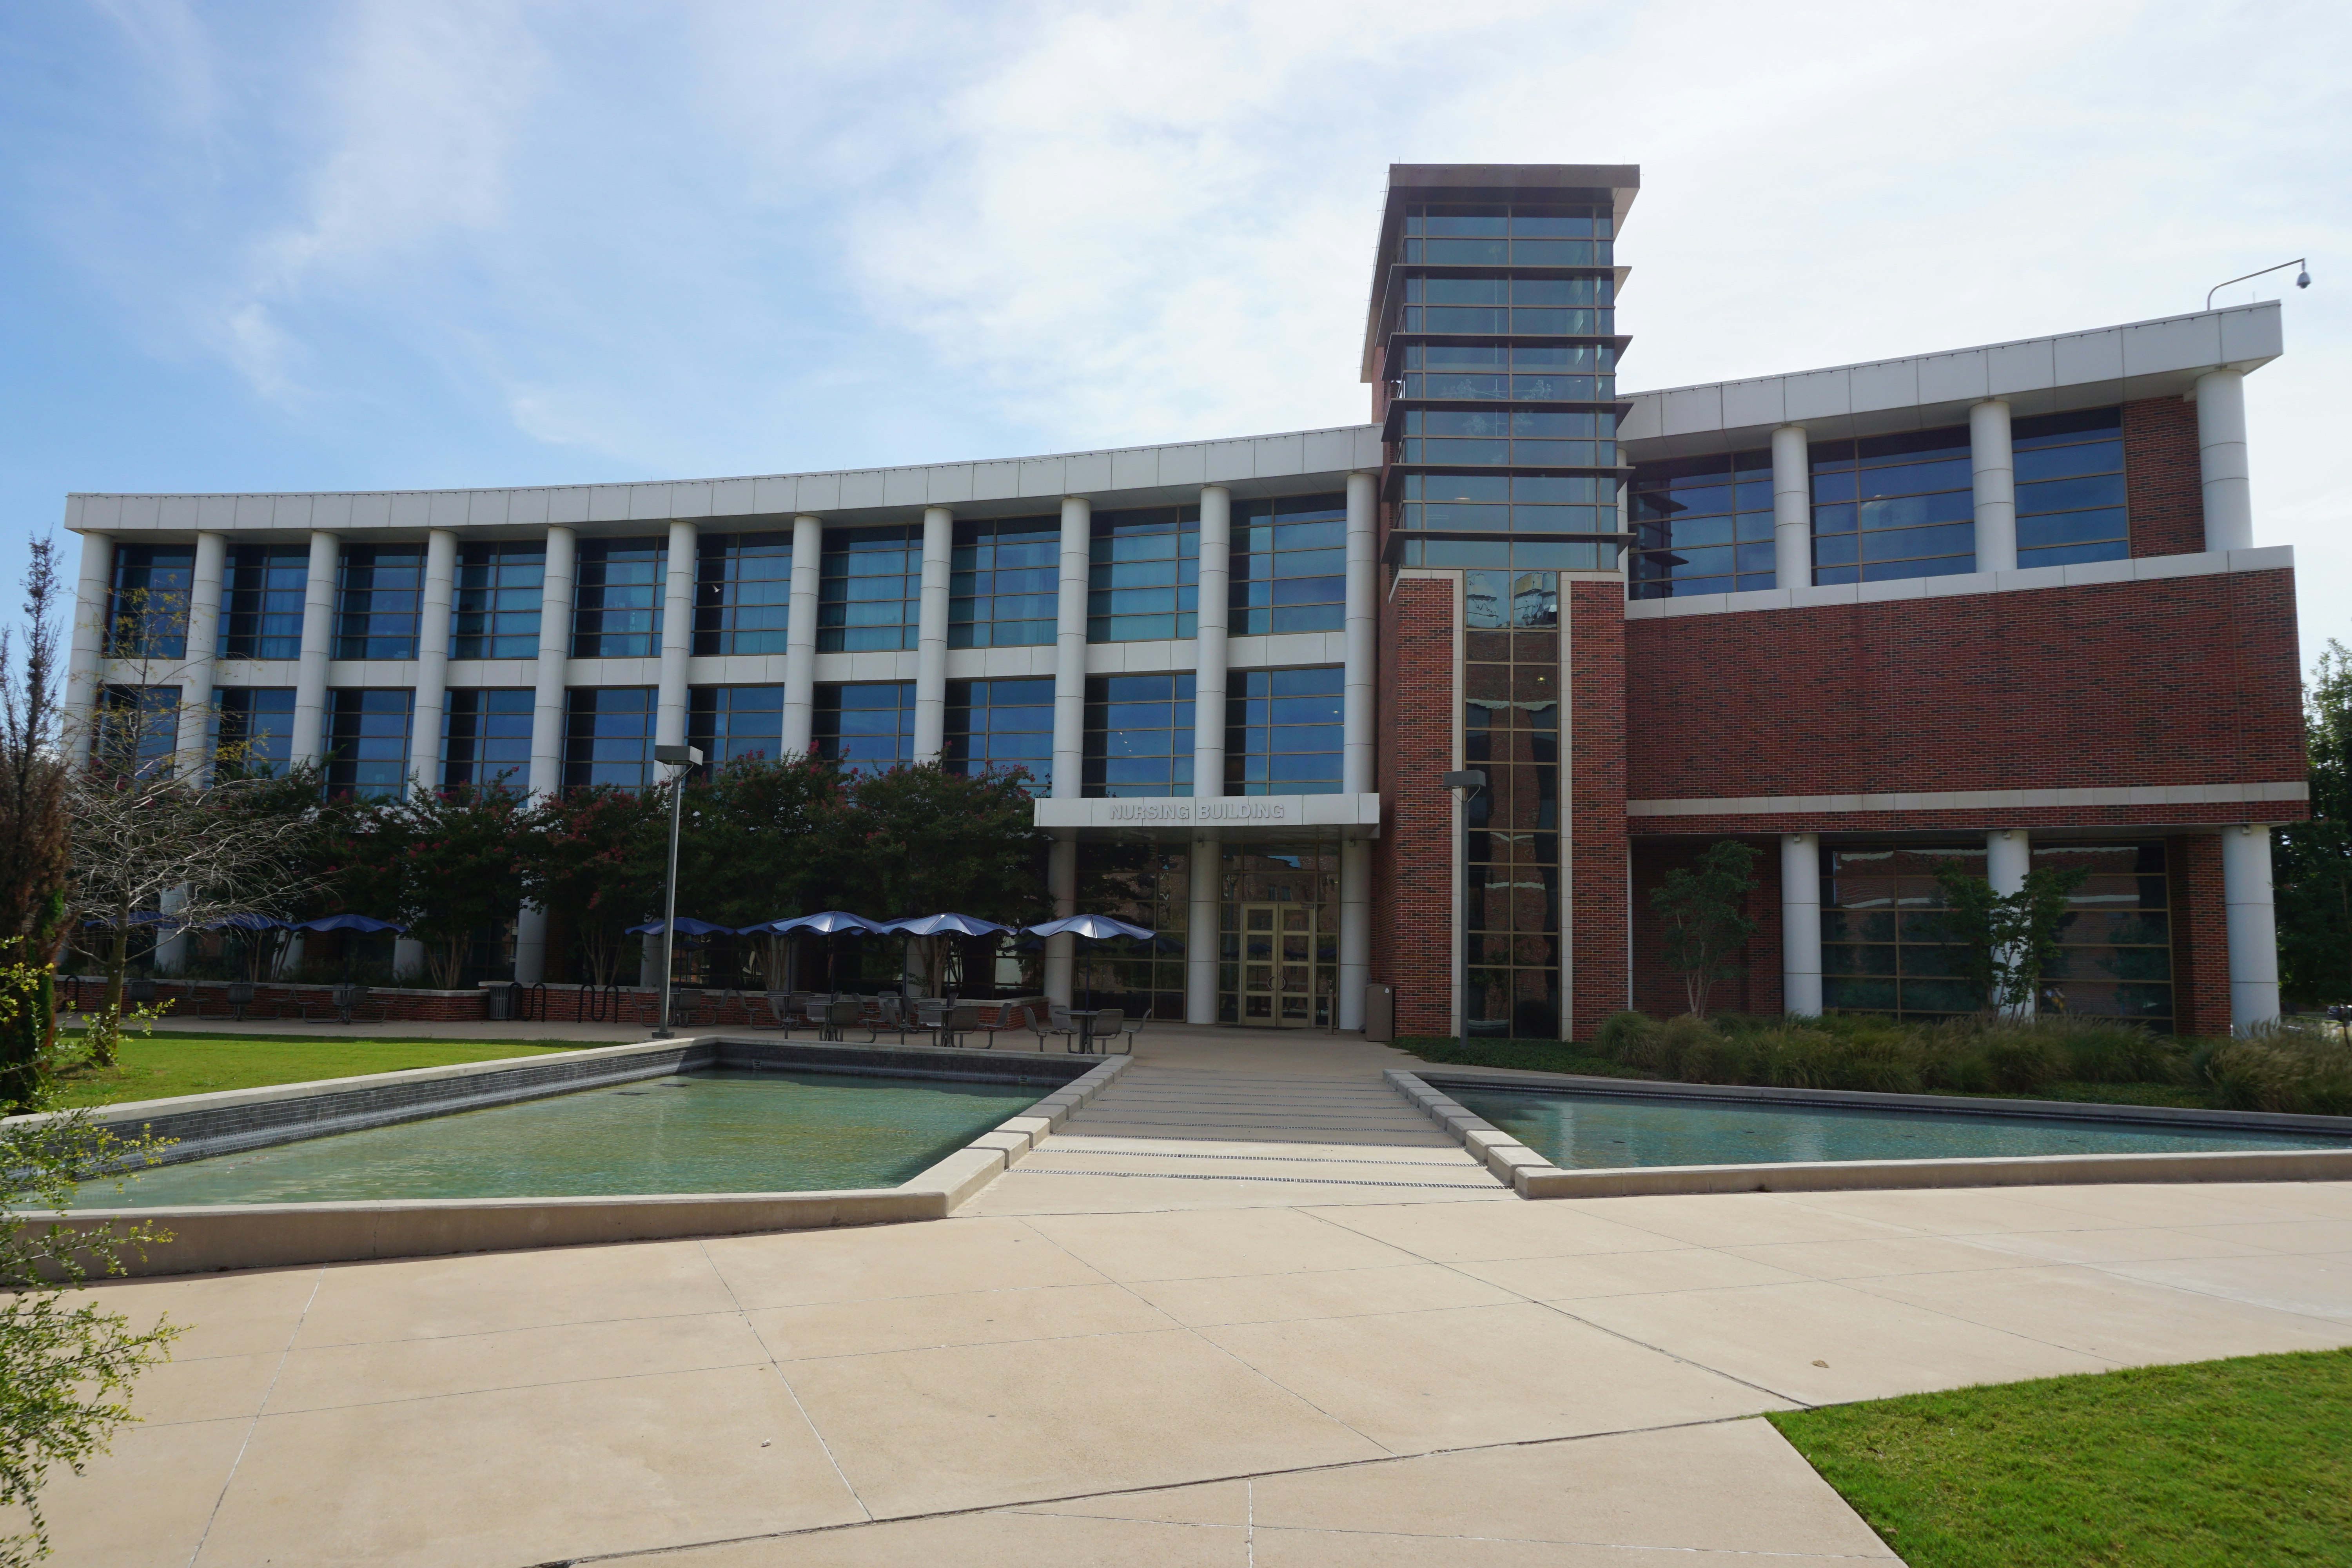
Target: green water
[
  {"x": 1595, "y": 1131},
  {"x": 726, "y": 1130}
]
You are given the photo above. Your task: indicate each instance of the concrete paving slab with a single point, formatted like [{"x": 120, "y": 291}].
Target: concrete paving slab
[
  {"x": 147, "y": 1503},
  {"x": 474, "y": 1293},
  {"x": 1584, "y": 1275},
  {"x": 1519, "y": 1229},
  {"x": 2101, "y": 1314},
  {"x": 244, "y": 1313},
  {"x": 996, "y": 1539},
  {"x": 533, "y": 1475},
  {"x": 2138, "y": 1244},
  {"x": 1877, "y": 1256},
  {"x": 1820, "y": 1343},
  {"x": 1328, "y": 1293},
  {"x": 2315, "y": 1286},
  {"x": 1211, "y": 1502},
  {"x": 981, "y": 1426},
  {"x": 208, "y": 1388},
  {"x": 972, "y": 1318},
  {"x": 1049, "y": 1192},
  {"x": 1725, "y": 1486},
  {"x": 879, "y": 1262},
  {"x": 1734, "y": 1219},
  {"x": 2303, "y": 1236},
  {"x": 1206, "y": 1247},
  {"x": 1515, "y": 1374}
]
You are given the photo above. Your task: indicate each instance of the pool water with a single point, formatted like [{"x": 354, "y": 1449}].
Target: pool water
[
  {"x": 725, "y": 1130},
  {"x": 1599, "y": 1131}
]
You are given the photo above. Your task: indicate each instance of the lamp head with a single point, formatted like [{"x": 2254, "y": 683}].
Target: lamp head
[
  {"x": 2303, "y": 279},
  {"x": 691, "y": 756}
]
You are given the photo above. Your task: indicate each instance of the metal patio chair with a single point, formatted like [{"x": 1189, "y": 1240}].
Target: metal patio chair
[
  {"x": 1106, "y": 1025},
  {"x": 1057, "y": 1022}
]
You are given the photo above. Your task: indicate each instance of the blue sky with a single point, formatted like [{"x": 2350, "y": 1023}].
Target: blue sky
[{"x": 424, "y": 243}]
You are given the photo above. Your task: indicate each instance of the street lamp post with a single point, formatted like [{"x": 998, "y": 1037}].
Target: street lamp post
[
  {"x": 682, "y": 758},
  {"x": 1468, "y": 782},
  {"x": 2301, "y": 277}
]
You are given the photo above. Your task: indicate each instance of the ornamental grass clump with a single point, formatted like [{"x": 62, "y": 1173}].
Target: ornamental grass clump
[{"x": 2284, "y": 1065}]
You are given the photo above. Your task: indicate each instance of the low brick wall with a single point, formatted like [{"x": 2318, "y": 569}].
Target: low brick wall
[{"x": 287, "y": 1000}]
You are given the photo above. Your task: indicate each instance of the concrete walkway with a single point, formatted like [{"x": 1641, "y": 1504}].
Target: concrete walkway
[{"x": 1242, "y": 1311}]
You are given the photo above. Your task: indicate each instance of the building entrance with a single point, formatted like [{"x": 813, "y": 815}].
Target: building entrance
[{"x": 1287, "y": 969}]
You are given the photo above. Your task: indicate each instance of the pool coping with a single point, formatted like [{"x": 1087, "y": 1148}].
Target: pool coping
[
  {"x": 212, "y": 1237},
  {"x": 1533, "y": 1176}
]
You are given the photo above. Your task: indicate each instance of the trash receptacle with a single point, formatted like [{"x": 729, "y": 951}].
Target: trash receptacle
[
  {"x": 1380, "y": 1012},
  {"x": 500, "y": 1000}
]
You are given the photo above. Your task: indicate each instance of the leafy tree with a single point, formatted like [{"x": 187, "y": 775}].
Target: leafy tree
[
  {"x": 761, "y": 839},
  {"x": 2314, "y": 871},
  {"x": 35, "y": 851},
  {"x": 921, "y": 840},
  {"x": 2004, "y": 942},
  {"x": 1705, "y": 912},
  {"x": 598, "y": 855},
  {"x": 64, "y": 1370},
  {"x": 445, "y": 864}
]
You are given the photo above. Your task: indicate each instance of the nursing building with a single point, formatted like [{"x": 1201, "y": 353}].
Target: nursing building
[{"x": 2000, "y": 604}]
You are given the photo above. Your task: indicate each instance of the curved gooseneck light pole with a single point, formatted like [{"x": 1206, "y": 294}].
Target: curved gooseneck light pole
[
  {"x": 682, "y": 758},
  {"x": 2302, "y": 279}
]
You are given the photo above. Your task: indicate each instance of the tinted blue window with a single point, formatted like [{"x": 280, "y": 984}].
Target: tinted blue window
[
  {"x": 367, "y": 742},
  {"x": 253, "y": 728},
  {"x": 1904, "y": 506},
  {"x": 379, "y": 590},
  {"x": 617, "y": 613},
  {"x": 486, "y": 738},
  {"x": 500, "y": 592},
  {"x": 1282, "y": 732},
  {"x": 2071, "y": 497},
  {"x": 866, "y": 727},
  {"x": 996, "y": 726},
  {"x": 1138, "y": 735},
  {"x": 608, "y": 737},
  {"x": 1686, "y": 513},
  {"x": 742, "y": 593},
  {"x": 263, "y": 613},
  {"x": 731, "y": 722},
  {"x": 147, "y": 615}
]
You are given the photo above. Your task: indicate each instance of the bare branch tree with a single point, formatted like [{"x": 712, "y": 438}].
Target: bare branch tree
[{"x": 33, "y": 833}]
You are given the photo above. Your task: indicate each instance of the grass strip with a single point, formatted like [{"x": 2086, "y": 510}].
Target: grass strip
[
  {"x": 2240, "y": 1461},
  {"x": 162, "y": 1065}
]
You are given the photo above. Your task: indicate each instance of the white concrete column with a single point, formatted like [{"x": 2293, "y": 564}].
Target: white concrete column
[
  {"x": 1356, "y": 714},
  {"x": 931, "y": 636},
  {"x": 408, "y": 956},
  {"x": 86, "y": 651},
  {"x": 677, "y": 632},
  {"x": 2008, "y": 856},
  {"x": 1209, "y": 662},
  {"x": 1205, "y": 881},
  {"x": 2252, "y": 924},
  {"x": 1994, "y": 467},
  {"x": 1070, "y": 649},
  {"x": 194, "y": 743},
  {"x": 1062, "y": 886},
  {"x": 1792, "y": 508},
  {"x": 1355, "y": 928},
  {"x": 547, "y": 707},
  {"x": 2221, "y": 457},
  {"x": 800, "y": 636},
  {"x": 432, "y": 669},
  {"x": 309, "y": 740},
  {"x": 1801, "y": 925}
]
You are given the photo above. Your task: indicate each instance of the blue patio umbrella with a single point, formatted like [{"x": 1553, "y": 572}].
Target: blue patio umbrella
[
  {"x": 366, "y": 925},
  {"x": 946, "y": 925},
  {"x": 687, "y": 926},
  {"x": 249, "y": 920},
  {"x": 1094, "y": 928},
  {"x": 828, "y": 923}
]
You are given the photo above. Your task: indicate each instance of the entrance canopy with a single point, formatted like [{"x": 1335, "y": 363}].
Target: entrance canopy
[{"x": 1229, "y": 816}]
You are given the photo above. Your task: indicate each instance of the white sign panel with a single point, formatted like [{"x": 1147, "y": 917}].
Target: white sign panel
[{"x": 1224, "y": 814}]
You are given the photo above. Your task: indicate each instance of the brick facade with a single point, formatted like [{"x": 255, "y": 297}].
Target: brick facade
[
  {"x": 2163, "y": 484},
  {"x": 1413, "y": 859},
  {"x": 2188, "y": 680},
  {"x": 1593, "y": 921},
  {"x": 1659, "y": 990},
  {"x": 2200, "y": 942}
]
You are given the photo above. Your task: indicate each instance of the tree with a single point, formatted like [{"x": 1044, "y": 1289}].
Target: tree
[
  {"x": 445, "y": 864},
  {"x": 2313, "y": 873},
  {"x": 761, "y": 839},
  {"x": 64, "y": 1370},
  {"x": 2004, "y": 940},
  {"x": 35, "y": 851},
  {"x": 1705, "y": 914},
  {"x": 923, "y": 840},
  {"x": 598, "y": 855}
]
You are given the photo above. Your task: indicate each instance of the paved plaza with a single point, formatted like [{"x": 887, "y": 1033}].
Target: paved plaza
[{"x": 1246, "y": 1307}]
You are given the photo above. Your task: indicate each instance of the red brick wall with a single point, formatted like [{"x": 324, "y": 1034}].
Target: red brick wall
[
  {"x": 2178, "y": 682},
  {"x": 1412, "y": 861},
  {"x": 2163, "y": 484},
  {"x": 2200, "y": 939},
  {"x": 1658, "y": 990},
  {"x": 1594, "y": 777}
]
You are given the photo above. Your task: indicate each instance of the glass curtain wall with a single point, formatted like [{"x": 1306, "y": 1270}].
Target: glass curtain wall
[
  {"x": 1705, "y": 526},
  {"x": 2070, "y": 488},
  {"x": 617, "y": 608},
  {"x": 731, "y": 722},
  {"x": 870, "y": 589},
  {"x": 1893, "y": 507},
  {"x": 1150, "y": 885},
  {"x": 1502, "y": 349},
  {"x": 367, "y": 740},
  {"x": 1278, "y": 934},
  {"x": 486, "y": 738},
  {"x": 253, "y": 729},
  {"x": 378, "y": 589},
  {"x": 147, "y": 613},
  {"x": 138, "y": 728},
  {"x": 1005, "y": 582},
  {"x": 866, "y": 727},
  {"x": 1138, "y": 735},
  {"x": 995, "y": 726},
  {"x": 1144, "y": 579},
  {"x": 1282, "y": 733},
  {"x": 262, "y": 601},
  {"x": 608, "y": 737},
  {"x": 1511, "y": 704},
  {"x": 742, "y": 593},
  {"x": 500, "y": 588},
  {"x": 1289, "y": 565}
]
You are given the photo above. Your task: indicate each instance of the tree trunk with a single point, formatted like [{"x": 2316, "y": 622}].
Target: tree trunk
[{"x": 118, "y": 961}]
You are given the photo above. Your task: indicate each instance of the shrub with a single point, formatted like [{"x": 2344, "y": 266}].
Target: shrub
[
  {"x": 1811, "y": 1059},
  {"x": 2249, "y": 1075},
  {"x": 2101, "y": 1051},
  {"x": 2021, "y": 1060}
]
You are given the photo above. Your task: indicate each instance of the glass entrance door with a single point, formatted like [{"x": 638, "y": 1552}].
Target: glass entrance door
[{"x": 1286, "y": 975}]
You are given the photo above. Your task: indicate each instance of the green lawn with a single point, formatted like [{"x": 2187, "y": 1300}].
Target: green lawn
[
  {"x": 156, "y": 1066},
  {"x": 2243, "y": 1462}
]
